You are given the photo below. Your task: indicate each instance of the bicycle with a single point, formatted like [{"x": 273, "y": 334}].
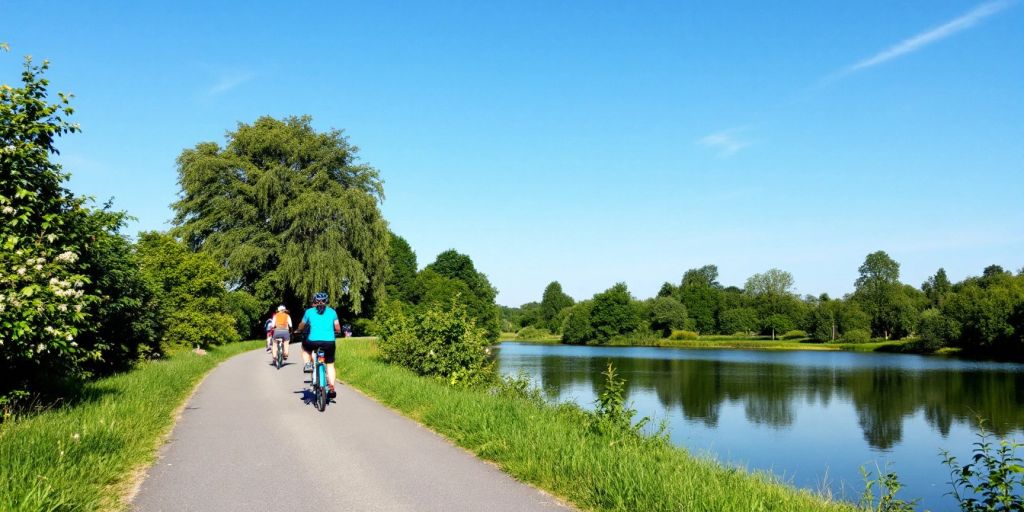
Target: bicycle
[
  {"x": 318, "y": 381},
  {"x": 279, "y": 356}
]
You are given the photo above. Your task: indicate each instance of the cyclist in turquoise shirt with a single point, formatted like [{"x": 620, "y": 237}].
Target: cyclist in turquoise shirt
[{"x": 323, "y": 329}]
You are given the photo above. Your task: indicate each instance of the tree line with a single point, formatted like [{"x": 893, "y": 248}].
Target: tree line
[{"x": 983, "y": 314}]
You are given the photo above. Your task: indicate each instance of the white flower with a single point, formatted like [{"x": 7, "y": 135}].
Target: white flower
[
  {"x": 21, "y": 271},
  {"x": 8, "y": 210},
  {"x": 67, "y": 256},
  {"x": 75, "y": 436},
  {"x": 70, "y": 338},
  {"x": 62, "y": 307}
]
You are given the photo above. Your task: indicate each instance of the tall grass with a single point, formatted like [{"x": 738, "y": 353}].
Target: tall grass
[
  {"x": 553, "y": 447},
  {"x": 85, "y": 455}
]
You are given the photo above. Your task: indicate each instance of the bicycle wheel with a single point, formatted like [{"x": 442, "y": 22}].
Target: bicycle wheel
[
  {"x": 279, "y": 360},
  {"x": 321, "y": 398}
]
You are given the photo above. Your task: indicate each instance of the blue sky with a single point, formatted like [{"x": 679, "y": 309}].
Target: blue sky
[{"x": 585, "y": 142}]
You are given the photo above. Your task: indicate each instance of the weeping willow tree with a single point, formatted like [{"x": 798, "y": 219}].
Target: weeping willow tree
[{"x": 288, "y": 211}]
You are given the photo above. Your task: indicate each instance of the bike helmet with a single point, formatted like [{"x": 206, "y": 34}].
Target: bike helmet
[{"x": 320, "y": 297}]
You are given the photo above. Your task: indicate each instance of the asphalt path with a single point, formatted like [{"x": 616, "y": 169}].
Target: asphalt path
[{"x": 250, "y": 439}]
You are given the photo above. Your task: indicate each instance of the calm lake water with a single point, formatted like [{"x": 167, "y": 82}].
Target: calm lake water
[{"x": 812, "y": 418}]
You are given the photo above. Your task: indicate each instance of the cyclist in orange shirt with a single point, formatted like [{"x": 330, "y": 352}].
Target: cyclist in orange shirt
[{"x": 282, "y": 329}]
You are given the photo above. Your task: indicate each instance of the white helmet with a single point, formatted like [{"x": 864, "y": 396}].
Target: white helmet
[{"x": 280, "y": 308}]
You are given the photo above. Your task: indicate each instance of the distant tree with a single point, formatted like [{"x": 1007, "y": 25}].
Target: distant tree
[
  {"x": 553, "y": 301},
  {"x": 576, "y": 327},
  {"x": 778, "y": 324},
  {"x": 773, "y": 282},
  {"x": 878, "y": 291},
  {"x": 614, "y": 313},
  {"x": 402, "y": 269},
  {"x": 190, "y": 294},
  {"x": 666, "y": 314},
  {"x": 288, "y": 211},
  {"x": 736, "y": 320},
  {"x": 937, "y": 287},
  {"x": 667, "y": 290},
  {"x": 700, "y": 292},
  {"x": 481, "y": 306}
]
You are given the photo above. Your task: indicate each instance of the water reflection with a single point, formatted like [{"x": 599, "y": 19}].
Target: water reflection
[{"x": 770, "y": 387}]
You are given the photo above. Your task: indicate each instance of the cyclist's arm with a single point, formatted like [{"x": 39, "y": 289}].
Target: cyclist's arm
[{"x": 337, "y": 327}]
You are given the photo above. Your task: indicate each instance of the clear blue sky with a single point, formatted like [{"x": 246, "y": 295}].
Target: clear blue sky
[{"x": 585, "y": 142}]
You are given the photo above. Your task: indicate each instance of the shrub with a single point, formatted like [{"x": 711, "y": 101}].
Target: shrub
[
  {"x": 794, "y": 335},
  {"x": 993, "y": 480},
  {"x": 247, "y": 312},
  {"x": 362, "y": 326},
  {"x": 857, "y": 336},
  {"x": 683, "y": 335},
  {"x": 440, "y": 342},
  {"x": 532, "y": 333}
]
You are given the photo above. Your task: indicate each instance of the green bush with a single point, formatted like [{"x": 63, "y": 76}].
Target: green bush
[
  {"x": 683, "y": 335},
  {"x": 794, "y": 335},
  {"x": 532, "y": 333},
  {"x": 857, "y": 336},
  {"x": 362, "y": 327},
  {"x": 247, "y": 312},
  {"x": 576, "y": 327},
  {"x": 191, "y": 297},
  {"x": 440, "y": 342}
]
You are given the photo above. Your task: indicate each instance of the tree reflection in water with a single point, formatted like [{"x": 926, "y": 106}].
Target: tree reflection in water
[{"x": 883, "y": 396}]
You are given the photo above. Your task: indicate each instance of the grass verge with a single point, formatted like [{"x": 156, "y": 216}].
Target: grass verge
[
  {"x": 553, "y": 448},
  {"x": 85, "y": 456}
]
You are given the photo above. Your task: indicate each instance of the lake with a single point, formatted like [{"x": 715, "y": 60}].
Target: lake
[{"x": 811, "y": 418}]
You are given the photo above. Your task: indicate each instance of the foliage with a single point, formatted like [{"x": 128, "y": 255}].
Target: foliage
[
  {"x": 613, "y": 313},
  {"x": 937, "y": 330},
  {"x": 532, "y": 333},
  {"x": 401, "y": 269},
  {"x": 937, "y": 287},
  {"x": 739, "y": 320},
  {"x": 993, "y": 480},
  {"x": 576, "y": 327},
  {"x": 857, "y": 336},
  {"x": 666, "y": 314},
  {"x": 776, "y": 323},
  {"x": 190, "y": 294},
  {"x": 247, "y": 312},
  {"x": 700, "y": 292},
  {"x": 439, "y": 341},
  {"x": 123, "y": 327},
  {"x": 480, "y": 298},
  {"x": 613, "y": 417},
  {"x": 888, "y": 485},
  {"x": 553, "y": 302},
  {"x": 683, "y": 335},
  {"x": 879, "y": 292},
  {"x": 289, "y": 211},
  {"x": 794, "y": 335},
  {"x": 44, "y": 231}
]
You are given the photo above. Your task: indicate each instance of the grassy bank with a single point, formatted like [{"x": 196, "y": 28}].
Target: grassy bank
[
  {"x": 752, "y": 343},
  {"x": 86, "y": 455},
  {"x": 553, "y": 448}
]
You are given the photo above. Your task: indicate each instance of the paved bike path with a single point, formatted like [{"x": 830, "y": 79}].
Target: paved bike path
[{"x": 248, "y": 440}]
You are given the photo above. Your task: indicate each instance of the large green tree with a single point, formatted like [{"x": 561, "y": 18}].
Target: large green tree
[
  {"x": 701, "y": 293},
  {"x": 614, "y": 313},
  {"x": 289, "y": 211},
  {"x": 879, "y": 292},
  {"x": 402, "y": 271},
  {"x": 478, "y": 296},
  {"x": 553, "y": 302}
]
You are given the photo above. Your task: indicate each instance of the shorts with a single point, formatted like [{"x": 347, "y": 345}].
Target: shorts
[
  {"x": 327, "y": 346},
  {"x": 283, "y": 334}
]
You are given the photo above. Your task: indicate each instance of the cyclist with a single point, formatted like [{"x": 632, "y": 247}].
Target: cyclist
[
  {"x": 323, "y": 329},
  {"x": 282, "y": 326}
]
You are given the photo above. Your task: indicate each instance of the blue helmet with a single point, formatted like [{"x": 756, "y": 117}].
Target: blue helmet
[{"x": 320, "y": 297}]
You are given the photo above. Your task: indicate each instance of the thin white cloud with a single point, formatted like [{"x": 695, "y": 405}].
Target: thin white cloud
[
  {"x": 726, "y": 142},
  {"x": 229, "y": 81},
  {"x": 924, "y": 39}
]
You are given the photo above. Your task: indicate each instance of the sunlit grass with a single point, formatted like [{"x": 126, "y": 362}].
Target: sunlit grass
[
  {"x": 85, "y": 456},
  {"x": 552, "y": 448}
]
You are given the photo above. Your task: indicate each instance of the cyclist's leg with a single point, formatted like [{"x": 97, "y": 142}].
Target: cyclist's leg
[
  {"x": 287, "y": 339},
  {"x": 307, "y": 356},
  {"x": 329, "y": 350}
]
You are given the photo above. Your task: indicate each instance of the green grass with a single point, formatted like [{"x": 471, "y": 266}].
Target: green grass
[
  {"x": 551, "y": 339},
  {"x": 552, "y": 448},
  {"x": 87, "y": 455}
]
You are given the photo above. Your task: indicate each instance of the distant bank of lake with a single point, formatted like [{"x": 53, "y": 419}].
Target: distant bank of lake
[{"x": 811, "y": 417}]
